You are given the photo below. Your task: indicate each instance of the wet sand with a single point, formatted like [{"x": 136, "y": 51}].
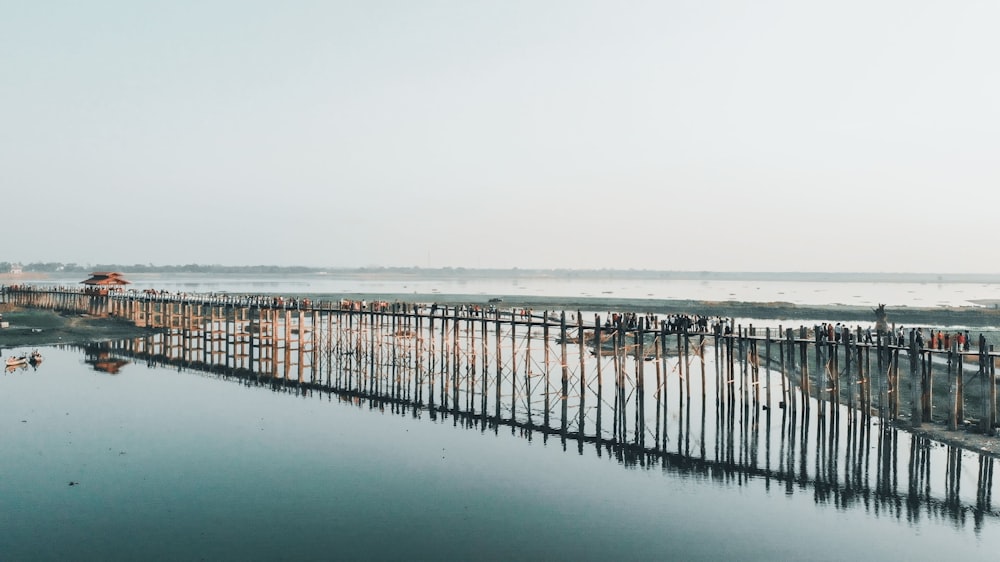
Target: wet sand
[{"x": 34, "y": 328}]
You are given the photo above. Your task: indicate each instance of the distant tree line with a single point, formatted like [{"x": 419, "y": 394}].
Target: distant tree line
[{"x": 494, "y": 273}]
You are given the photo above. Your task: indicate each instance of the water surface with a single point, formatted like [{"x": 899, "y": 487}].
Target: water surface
[{"x": 177, "y": 464}]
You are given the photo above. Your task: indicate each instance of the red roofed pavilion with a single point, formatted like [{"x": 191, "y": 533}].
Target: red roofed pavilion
[{"x": 106, "y": 279}]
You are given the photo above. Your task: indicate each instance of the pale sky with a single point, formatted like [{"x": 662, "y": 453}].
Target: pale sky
[{"x": 730, "y": 136}]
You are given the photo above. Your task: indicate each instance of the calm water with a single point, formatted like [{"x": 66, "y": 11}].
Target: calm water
[{"x": 177, "y": 464}]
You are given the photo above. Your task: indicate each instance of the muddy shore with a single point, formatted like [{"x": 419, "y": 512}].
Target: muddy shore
[{"x": 35, "y": 328}]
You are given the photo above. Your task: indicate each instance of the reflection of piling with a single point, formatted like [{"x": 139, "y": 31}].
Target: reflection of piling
[
  {"x": 918, "y": 490},
  {"x": 953, "y": 479},
  {"x": 984, "y": 488}
]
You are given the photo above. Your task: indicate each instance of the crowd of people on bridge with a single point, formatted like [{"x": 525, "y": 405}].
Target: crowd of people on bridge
[
  {"x": 924, "y": 338},
  {"x": 670, "y": 323}
]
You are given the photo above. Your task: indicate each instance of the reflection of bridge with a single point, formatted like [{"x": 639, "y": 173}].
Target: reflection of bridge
[{"x": 844, "y": 460}]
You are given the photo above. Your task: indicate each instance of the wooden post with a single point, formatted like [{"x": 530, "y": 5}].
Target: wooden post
[
  {"x": 960, "y": 376},
  {"x": 472, "y": 362},
  {"x": 456, "y": 365},
  {"x": 849, "y": 346},
  {"x": 583, "y": 372},
  {"x": 443, "y": 389},
  {"x": 600, "y": 379},
  {"x": 864, "y": 371},
  {"x": 682, "y": 375},
  {"x": 300, "y": 351},
  {"x": 564, "y": 389},
  {"x": 767, "y": 364},
  {"x": 985, "y": 420},
  {"x": 753, "y": 362},
  {"x": 953, "y": 396},
  {"x": 548, "y": 371},
  {"x": 399, "y": 340},
  {"x": 499, "y": 363},
  {"x": 513, "y": 364},
  {"x": 485, "y": 386},
  {"x": 928, "y": 388},
  {"x": 717, "y": 335},
  {"x": 915, "y": 415},
  {"x": 659, "y": 384},
  {"x": 834, "y": 362},
  {"x": 666, "y": 376},
  {"x": 883, "y": 377},
  {"x": 804, "y": 367},
  {"x": 822, "y": 374},
  {"x": 992, "y": 374},
  {"x": 640, "y": 361},
  {"x": 432, "y": 358},
  {"x": 701, "y": 354},
  {"x": 897, "y": 397},
  {"x": 418, "y": 378},
  {"x": 527, "y": 368},
  {"x": 784, "y": 373},
  {"x": 616, "y": 426}
]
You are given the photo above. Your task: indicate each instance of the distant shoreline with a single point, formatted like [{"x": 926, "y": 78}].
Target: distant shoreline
[{"x": 37, "y": 271}]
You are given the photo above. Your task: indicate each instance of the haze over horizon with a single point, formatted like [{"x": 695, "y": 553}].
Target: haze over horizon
[{"x": 773, "y": 136}]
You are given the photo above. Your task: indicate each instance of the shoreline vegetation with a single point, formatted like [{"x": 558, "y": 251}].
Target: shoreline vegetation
[{"x": 35, "y": 328}]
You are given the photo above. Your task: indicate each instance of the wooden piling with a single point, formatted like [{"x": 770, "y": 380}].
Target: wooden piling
[
  {"x": 916, "y": 417},
  {"x": 992, "y": 381}
]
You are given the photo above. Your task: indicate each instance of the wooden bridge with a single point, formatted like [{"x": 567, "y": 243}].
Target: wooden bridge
[{"x": 555, "y": 369}]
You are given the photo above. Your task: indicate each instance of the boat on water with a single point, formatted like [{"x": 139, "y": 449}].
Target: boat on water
[
  {"x": 17, "y": 360},
  {"x": 35, "y": 357}
]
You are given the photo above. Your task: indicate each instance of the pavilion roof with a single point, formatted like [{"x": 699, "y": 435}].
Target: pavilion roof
[{"x": 106, "y": 278}]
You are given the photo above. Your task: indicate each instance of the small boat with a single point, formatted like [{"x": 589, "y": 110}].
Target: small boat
[
  {"x": 17, "y": 361},
  {"x": 35, "y": 357}
]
